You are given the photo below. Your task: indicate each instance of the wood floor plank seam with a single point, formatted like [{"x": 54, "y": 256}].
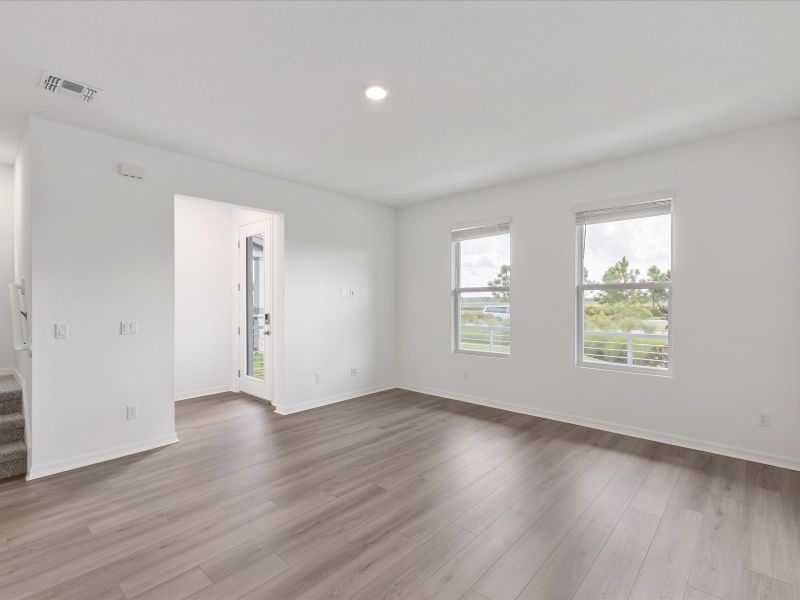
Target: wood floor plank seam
[
  {"x": 649, "y": 547},
  {"x": 585, "y": 575}
]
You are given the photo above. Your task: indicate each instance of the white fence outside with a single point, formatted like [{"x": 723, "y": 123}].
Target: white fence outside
[
  {"x": 637, "y": 348},
  {"x": 620, "y": 347},
  {"x": 486, "y": 338}
]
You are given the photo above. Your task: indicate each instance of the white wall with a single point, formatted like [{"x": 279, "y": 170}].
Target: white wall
[
  {"x": 7, "y": 360},
  {"x": 203, "y": 297},
  {"x": 734, "y": 318},
  {"x": 103, "y": 251}
]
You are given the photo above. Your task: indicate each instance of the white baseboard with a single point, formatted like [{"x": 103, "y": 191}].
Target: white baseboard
[
  {"x": 758, "y": 456},
  {"x": 91, "y": 458},
  {"x": 204, "y": 392},
  {"x": 282, "y": 409}
]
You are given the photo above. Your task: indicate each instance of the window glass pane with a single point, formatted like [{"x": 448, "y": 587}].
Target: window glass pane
[
  {"x": 628, "y": 251},
  {"x": 627, "y": 327},
  {"x": 484, "y": 322},
  {"x": 256, "y": 301},
  {"x": 486, "y": 261}
]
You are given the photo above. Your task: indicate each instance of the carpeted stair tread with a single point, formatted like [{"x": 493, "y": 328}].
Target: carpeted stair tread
[
  {"x": 10, "y": 394},
  {"x": 12, "y": 427},
  {"x": 13, "y": 420},
  {"x": 9, "y": 387},
  {"x": 12, "y": 451},
  {"x": 13, "y": 468}
]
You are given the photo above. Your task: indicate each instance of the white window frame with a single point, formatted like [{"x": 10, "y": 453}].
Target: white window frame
[
  {"x": 456, "y": 290},
  {"x": 630, "y": 207}
]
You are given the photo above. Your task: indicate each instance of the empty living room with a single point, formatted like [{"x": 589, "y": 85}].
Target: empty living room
[{"x": 467, "y": 300}]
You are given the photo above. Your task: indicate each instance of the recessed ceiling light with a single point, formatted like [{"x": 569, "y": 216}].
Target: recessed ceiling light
[{"x": 376, "y": 93}]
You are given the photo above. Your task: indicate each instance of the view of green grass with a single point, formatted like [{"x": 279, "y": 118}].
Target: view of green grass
[{"x": 258, "y": 365}]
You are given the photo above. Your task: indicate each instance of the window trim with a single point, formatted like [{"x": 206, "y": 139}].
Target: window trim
[
  {"x": 456, "y": 291},
  {"x": 581, "y": 287}
]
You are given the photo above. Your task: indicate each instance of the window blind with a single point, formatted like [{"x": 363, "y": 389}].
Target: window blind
[
  {"x": 471, "y": 233},
  {"x": 650, "y": 208}
]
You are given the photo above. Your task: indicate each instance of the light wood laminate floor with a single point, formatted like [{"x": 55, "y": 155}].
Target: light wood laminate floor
[{"x": 401, "y": 495}]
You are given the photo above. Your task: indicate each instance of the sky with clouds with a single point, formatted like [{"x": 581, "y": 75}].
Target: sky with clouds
[
  {"x": 482, "y": 258},
  {"x": 644, "y": 242}
]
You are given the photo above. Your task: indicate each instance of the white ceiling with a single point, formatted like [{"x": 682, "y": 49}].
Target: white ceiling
[{"x": 480, "y": 93}]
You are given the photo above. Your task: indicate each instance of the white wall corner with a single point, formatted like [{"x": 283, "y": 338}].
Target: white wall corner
[
  {"x": 283, "y": 409},
  {"x": 203, "y": 392}
]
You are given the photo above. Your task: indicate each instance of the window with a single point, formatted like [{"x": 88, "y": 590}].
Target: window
[
  {"x": 625, "y": 286},
  {"x": 482, "y": 289}
]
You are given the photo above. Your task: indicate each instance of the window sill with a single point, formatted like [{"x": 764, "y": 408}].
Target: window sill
[
  {"x": 483, "y": 354},
  {"x": 667, "y": 373}
]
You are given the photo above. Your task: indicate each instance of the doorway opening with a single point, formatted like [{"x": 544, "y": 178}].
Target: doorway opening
[{"x": 228, "y": 300}]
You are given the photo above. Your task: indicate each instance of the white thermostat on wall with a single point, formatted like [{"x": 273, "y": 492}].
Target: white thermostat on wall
[{"x": 132, "y": 171}]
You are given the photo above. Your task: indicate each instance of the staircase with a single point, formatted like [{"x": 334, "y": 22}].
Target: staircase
[{"x": 13, "y": 451}]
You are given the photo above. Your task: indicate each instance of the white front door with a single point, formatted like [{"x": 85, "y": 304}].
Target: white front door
[{"x": 255, "y": 309}]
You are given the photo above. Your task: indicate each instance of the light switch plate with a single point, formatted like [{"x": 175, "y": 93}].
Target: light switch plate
[
  {"x": 129, "y": 327},
  {"x": 61, "y": 331}
]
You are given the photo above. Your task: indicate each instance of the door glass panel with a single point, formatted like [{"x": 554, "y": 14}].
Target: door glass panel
[{"x": 256, "y": 306}]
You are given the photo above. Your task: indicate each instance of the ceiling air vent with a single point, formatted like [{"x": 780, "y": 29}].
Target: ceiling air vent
[{"x": 53, "y": 83}]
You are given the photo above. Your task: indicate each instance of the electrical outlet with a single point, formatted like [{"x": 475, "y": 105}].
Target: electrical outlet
[
  {"x": 317, "y": 378},
  {"x": 129, "y": 327},
  {"x": 130, "y": 412},
  {"x": 763, "y": 420},
  {"x": 466, "y": 374},
  {"x": 353, "y": 372},
  {"x": 61, "y": 331},
  {"x": 352, "y": 292}
]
